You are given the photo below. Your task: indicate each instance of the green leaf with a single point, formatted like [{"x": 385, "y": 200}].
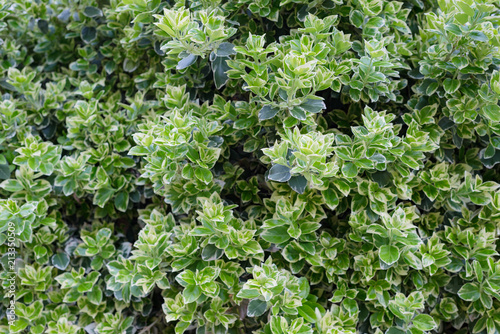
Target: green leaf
[
  {"x": 431, "y": 89},
  {"x": 290, "y": 122},
  {"x": 331, "y": 198},
  {"x": 121, "y": 201},
  {"x": 219, "y": 69},
  {"x": 187, "y": 172},
  {"x": 91, "y": 11},
  {"x": 298, "y": 113},
  {"x": 181, "y": 327},
  {"x": 492, "y": 112},
  {"x": 451, "y": 85},
  {"x": 478, "y": 36},
  {"x": 279, "y": 173},
  {"x": 267, "y": 112},
  {"x": 110, "y": 66},
  {"x": 489, "y": 162},
  {"x": 130, "y": 65},
  {"x": 138, "y": 150},
  {"x": 395, "y": 330},
  {"x": 256, "y": 308},
  {"x": 203, "y": 174},
  {"x": 424, "y": 322},
  {"x": 43, "y": 26},
  {"x": 349, "y": 170},
  {"x": 37, "y": 329},
  {"x": 291, "y": 253},
  {"x": 191, "y": 293},
  {"x": 102, "y": 196},
  {"x": 480, "y": 198},
  {"x": 211, "y": 253},
  {"x": 276, "y": 235},
  {"x": 95, "y": 295},
  {"x": 88, "y": 34},
  {"x": 389, "y": 254},
  {"x": 60, "y": 261},
  {"x": 313, "y": 106},
  {"x": 431, "y": 191},
  {"x": 72, "y": 296},
  {"x": 356, "y": 18},
  {"x": 465, "y": 7},
  {"x": 489, "y": 151},
  {"x": 469, "y": 292},
  {"x": 453, "y": 28},
  {"x": 64, "y": 15},
  {"x": 248, "y": 293},
  {"x": 225, "y": 49},
  {"x": 375, "y": 22},
  {"x": 486, "y": 300},
  {"x": 307, "y": 312},
  {"x": 480, "y": 325},
  {"x": 298, "y": 183},
  {"x": 459, "y": 61},
  {"x": 143, "y": 18},
  {"x": 4, "y": 172},
  {"x": 18, "y": 325},
  {"x": 186, "y": 62},
  {"x": 11, "y": 185}
]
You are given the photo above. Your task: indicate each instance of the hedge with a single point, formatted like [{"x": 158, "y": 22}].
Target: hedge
[{"x": 250, "y": 166}]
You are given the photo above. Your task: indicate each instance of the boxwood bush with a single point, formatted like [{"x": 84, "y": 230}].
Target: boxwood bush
[{"x": 250, "y": 166}]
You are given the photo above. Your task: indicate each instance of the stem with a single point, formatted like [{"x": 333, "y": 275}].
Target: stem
[
  {"x": 368, "y": 71},
  {"x": 147, "y": 328}
]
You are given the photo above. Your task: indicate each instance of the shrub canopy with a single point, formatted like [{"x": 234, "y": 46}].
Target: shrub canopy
[{"x": 250, "y": 166}]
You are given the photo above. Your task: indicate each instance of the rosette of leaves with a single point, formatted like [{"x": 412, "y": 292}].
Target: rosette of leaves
[
  {"x": 269, "y": 166},
  {"x": 199, "y": 34}
]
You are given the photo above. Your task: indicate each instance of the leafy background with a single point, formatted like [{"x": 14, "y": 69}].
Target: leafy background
[{"x": 269, "y": 166}]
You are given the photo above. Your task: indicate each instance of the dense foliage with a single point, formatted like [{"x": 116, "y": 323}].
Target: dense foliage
[{"x": 250, "y": 166}]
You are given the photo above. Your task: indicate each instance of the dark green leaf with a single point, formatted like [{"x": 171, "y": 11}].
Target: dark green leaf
[
  {"x": 43, "y": 26},
  {"x": 298, "y": 113},
  {"x": 186, "y": 62},
  {"x": 121, "y": 201},
  {"x": 60, "y": 261},
  {"x": 313, "y": 106},
  {"x": 4, "y": 172},
  {"x": 88, "y": 34},
  {"x": 395, "y": 330},
  {"x": 219, "y": 68},
  {"x": 225, "y": 49},
  {"x": 91, "y": 11},
  {"x": 64, "y": 15},
  {"x": 279, "y": 173},
  {"x": 256, "y": 308},
  {"x": 267, "y": 112},
  {"x": 211, "y": 253},
  {"x": 298, "y": 183}
]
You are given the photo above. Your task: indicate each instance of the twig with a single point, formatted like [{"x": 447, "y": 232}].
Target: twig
[
  {"x": 147, "y": 328},
  {"x": 77, "y": 199}
]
